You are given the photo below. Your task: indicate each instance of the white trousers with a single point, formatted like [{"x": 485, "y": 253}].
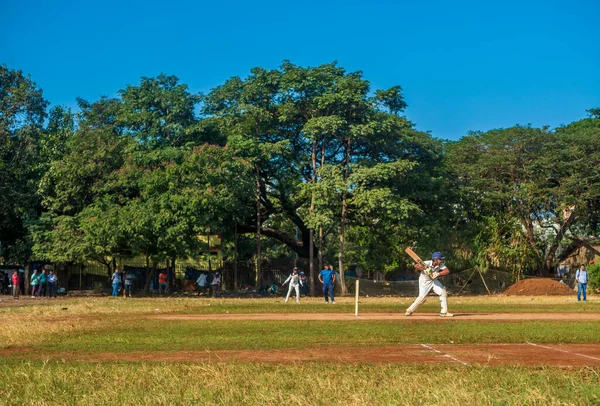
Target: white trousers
[
  {"x": 292, "y": 286},
  {"x": 425, "y": 286}
]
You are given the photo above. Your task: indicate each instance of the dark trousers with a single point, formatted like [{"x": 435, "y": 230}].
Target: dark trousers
[
  {"x": 328, "y": 288},
  {"x": 42, "y": 289},
  {"x": 52, "y": 289}
]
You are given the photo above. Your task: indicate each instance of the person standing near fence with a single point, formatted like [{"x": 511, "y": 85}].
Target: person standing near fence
[
  {"x": 202, "y": 282},
  {"x": 216, "y": 283},
  {"x": 581, "y": 276},
  {"x": 52, "y": 284},
  {"x": 295, "y": 283},
  {"x": 35, "y": 281},
  {"x": 163, "y": 284},
  {"x": 129, "y": 277},
  {"x": 116, "y": 281},
  {"x": 327, "y": 278},
  {"x": 303, "y": 284},
  {"x": 15, "y": 284},
  {"x": 43, "y": 283}
]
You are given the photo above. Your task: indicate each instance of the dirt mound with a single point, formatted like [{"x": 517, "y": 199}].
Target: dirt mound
[{"x": 538, "y": 286}]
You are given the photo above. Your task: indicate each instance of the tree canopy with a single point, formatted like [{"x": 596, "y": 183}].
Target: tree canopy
[{"x": 311, "y": 159}]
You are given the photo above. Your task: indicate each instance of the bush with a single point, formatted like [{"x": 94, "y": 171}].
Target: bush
[{"x": 594, "y": 277}]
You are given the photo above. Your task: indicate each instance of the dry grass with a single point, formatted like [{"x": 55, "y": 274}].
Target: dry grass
[{"x": 311, "y": 384}]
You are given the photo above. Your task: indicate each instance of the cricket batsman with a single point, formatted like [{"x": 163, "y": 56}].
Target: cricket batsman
[
  {"x": 428, "y": 280},
  {"x": 295, "y": 282}
]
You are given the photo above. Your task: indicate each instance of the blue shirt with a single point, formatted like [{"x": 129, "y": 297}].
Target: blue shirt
[
  {"x": 327, "y": 276},
  {"x": 581, "y": 276},
  {"x": 116, "y": 278}
]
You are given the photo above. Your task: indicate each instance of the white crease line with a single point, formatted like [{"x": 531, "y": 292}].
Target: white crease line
[
  {"x": 568, "y": 352},
  {"x": 444, "y": 354}
]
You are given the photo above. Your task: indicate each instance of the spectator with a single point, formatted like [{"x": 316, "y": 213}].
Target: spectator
[
  {"x": 129, "y": 278},
  {"x": 303, "y": 284},
  {"x": 52, "y": 284},
  {"x": 202, "y": 282},
  {"x": 327, "y": 278},
  {"x": 581, "y": 276},
  {"x": 42, "y": 287},
  {"x": 35, "y": 281},
  {"x": 358, "y": 272},
  {"x": 116, "y": 281},
  {"x": 163, "y": 282},
  {"x": 216, "y": 283},
  {"x": 15, "y": 284}
]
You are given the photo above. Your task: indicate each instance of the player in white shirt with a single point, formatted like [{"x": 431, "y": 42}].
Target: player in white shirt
[
  {"x": 428, "y": 280},
  {"x": 295, "y": 283}
]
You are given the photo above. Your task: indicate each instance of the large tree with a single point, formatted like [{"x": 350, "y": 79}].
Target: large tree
[
  {"x": 547, "y": 181},
  {"x": 281, "y": 119},
  {"x": 22, "y": 114}
]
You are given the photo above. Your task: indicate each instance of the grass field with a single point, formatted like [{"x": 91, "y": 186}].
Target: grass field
[{"x": 97, "y": 351}]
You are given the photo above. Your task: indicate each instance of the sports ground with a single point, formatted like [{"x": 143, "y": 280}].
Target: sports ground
[{"x": 496, "y": 350}]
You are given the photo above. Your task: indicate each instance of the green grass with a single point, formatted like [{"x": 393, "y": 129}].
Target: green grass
[
  {"x": 98, "y": 325},
  {"x": 57, "y": 383},
  {"x": 152, "y": 335}
]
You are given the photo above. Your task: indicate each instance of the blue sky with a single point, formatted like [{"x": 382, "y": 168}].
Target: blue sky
[{"x": 463, "y": 65}]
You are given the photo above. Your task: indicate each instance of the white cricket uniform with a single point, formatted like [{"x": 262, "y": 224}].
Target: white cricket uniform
[
  {"x": 295, "y": 283},
  {"x": 426, "y": 283}
]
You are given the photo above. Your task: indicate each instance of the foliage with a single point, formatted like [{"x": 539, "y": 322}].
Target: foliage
[
  {"x": 535, "y": 176},
  {"x": 22, "y": 114},
  {"x": 146, "y": 171},
  {"x": 594, "y": 276},
  {"x": 277, "y": 118}
]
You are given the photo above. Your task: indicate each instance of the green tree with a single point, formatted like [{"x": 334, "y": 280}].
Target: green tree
[
  {"x": 160, "y": 112},
  {"x": 282, "y": 119},
  {"x": 544, "y": 179},
  {"x": 22, "y": 114}
]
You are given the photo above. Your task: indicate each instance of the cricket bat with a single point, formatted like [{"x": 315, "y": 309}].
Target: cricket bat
[{"x": 414, "y": 256}]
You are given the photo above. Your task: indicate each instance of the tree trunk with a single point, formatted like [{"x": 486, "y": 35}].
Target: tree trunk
[
  {"x": 258, "y": 240},
  {"x": 26, "y": 281},
  {"x": 311, "y": 244},
  {"x": 149, "y": 275},
  {"x": 320, "y": 248},
  {"x": 551, "y": 255},
  {"x": 341, "y": 253},
  {"x": 321, "y": 227},
  {"x": 343, "y": 219},
  {"x": 235, "y": 259},
  {"x": 174, "y": 279}
]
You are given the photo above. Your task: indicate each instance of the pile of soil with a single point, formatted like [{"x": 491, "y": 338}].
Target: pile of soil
[{"x": 538, "y": 286}]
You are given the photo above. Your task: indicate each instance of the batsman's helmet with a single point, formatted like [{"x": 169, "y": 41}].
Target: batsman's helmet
[{"x": 437, "y": 255}]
